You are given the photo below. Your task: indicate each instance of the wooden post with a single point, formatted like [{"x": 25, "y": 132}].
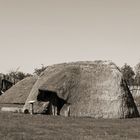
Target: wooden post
[{"x": 31, "y": 107}]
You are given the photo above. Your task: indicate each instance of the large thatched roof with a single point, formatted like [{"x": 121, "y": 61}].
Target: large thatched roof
[
  {"x": 95, "y": 89},
  {"x": 19, "y": 92}
]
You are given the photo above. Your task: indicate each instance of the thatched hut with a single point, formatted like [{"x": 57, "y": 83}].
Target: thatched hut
[
  {"x": 18, "y": 93},
  {"x": 95, "y": 89}
]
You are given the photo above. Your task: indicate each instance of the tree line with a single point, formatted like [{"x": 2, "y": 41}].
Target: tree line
[
  {"x": 16, "y": 76},
  {"x": 131, "y": 75}
]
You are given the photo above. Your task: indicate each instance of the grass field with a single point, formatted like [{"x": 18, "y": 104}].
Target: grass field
[{"x": 15, "y": 126}]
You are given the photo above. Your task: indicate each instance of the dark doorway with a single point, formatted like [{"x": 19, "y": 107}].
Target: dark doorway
[{"x": 55, "y": 103}]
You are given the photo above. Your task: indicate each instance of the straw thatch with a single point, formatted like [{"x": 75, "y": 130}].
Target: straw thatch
[
  {"x": 19, "y": 92},
  {"x": 94, "y": 89}
]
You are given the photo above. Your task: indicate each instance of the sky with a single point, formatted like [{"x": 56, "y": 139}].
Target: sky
[{"x": 35, "y": 32}]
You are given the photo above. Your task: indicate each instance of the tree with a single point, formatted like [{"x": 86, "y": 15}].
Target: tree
[
  {"x": 137, "y": 72},
  {"x": 128, "y": 74},
  {"x": 38, "y": 71},
  {"x": 7, "y": 80},
  {"x": 15, "y": 76}
]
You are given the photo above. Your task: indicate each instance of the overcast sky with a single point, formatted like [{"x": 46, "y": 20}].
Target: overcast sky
[{"x": 35, "y": 32}]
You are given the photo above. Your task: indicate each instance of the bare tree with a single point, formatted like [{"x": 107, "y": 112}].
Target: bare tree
[{"x": 38, "y": 71}]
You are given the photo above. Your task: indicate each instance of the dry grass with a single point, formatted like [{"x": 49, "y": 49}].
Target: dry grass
[{"x": 41, "y": 127}]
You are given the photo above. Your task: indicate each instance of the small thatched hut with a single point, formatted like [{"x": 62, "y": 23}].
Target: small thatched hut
[{"x": 19, "y": 92}]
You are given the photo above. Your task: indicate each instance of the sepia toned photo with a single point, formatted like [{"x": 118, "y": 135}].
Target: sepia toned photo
[{"x": 69, "y": 70}]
